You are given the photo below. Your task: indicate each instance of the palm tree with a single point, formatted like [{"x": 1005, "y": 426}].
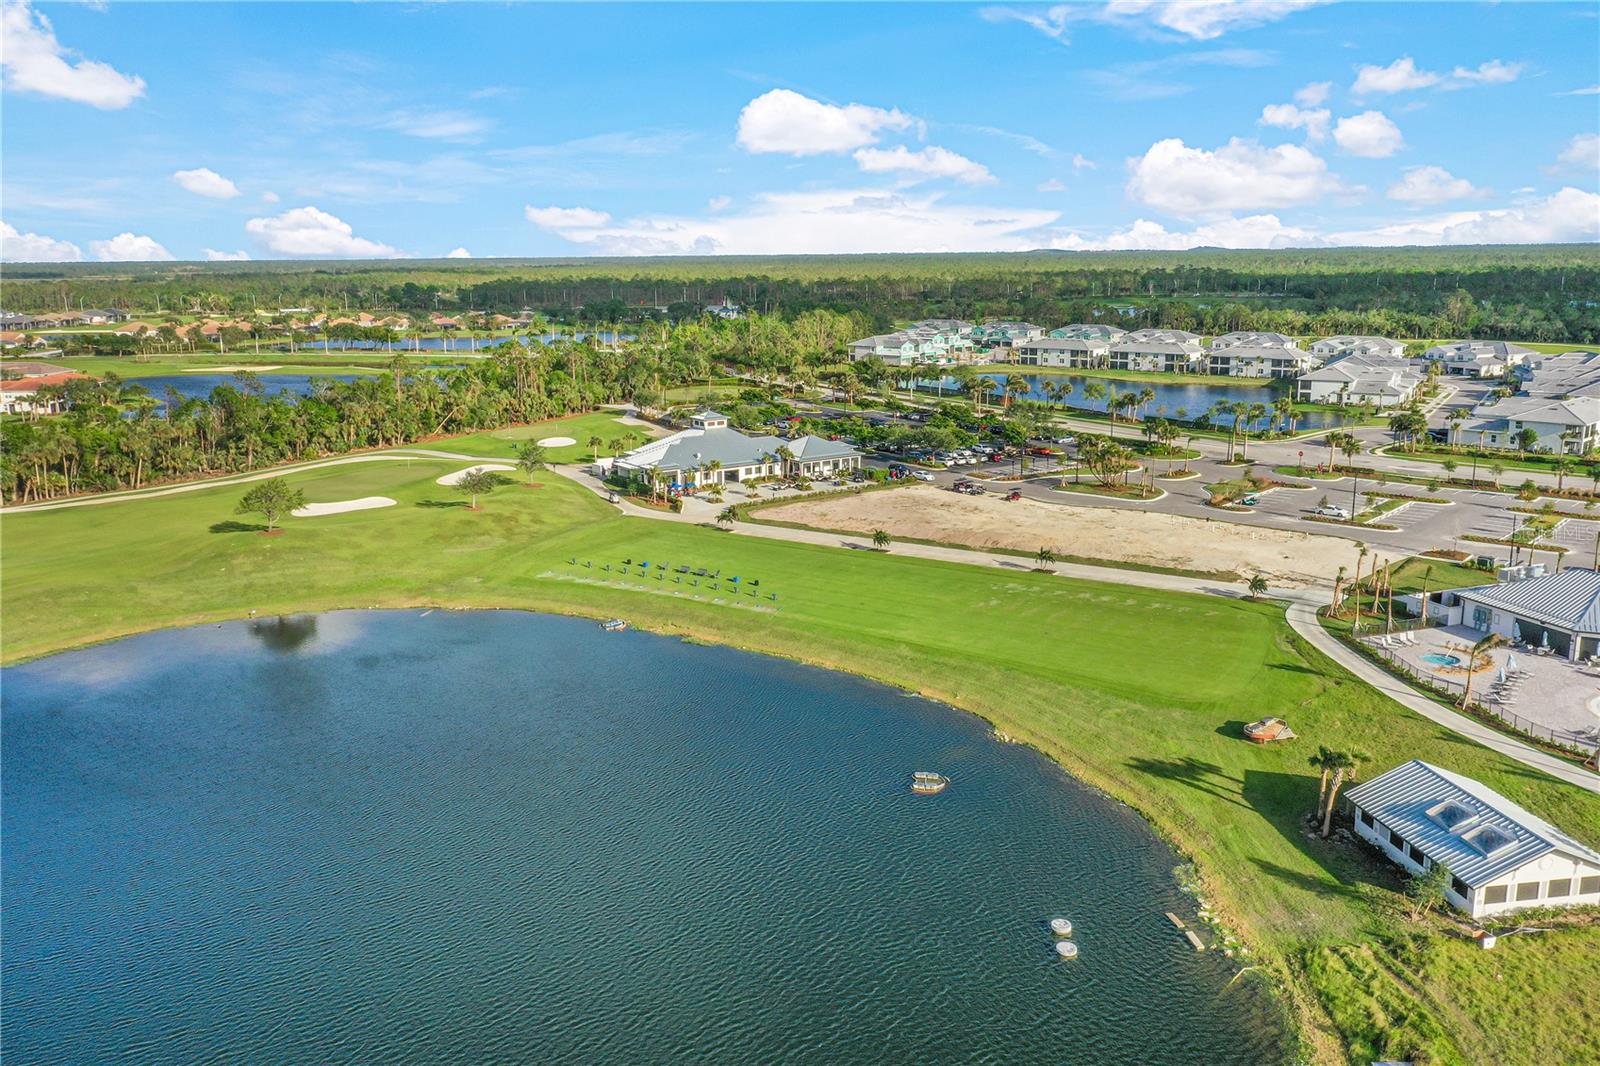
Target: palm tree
[
  {"x": 1322, "y": 761},
  {"x": 1044, "y": 556},
  {"x": 1344, "y": 768},
  {"x": 595, "y": 443},
  {"x": 1338, "y": 587},
  {"x": 1283, "y": 407},
  {"x": 880, "y": 539},
  {"x": 727, "y": 516},
  {"x": 1481, "y": 648},
  {"x": 1257, "y": 587},
  {"x": 1355, "y": 586}
]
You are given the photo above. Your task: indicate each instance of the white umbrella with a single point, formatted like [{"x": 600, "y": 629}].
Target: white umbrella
[
  {"x": 1511, "y": 663},
  {"x": 1544, "y": 638},
  {"x": 1502, "y": 676},
  {"x": 1516, "y": 632}
]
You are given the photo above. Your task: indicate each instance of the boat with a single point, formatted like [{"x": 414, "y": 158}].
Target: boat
[
  {"x": 926, "y": 783},
  {"x": 1066, "y": 949},
  {"x": 1267, "y": 730},
  {"x": 1060, "y": 927},
  {"x": 613, "y": 625}
]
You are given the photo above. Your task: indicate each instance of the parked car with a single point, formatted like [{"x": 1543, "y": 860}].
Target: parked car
[
  {"x": 1250, "y": 500},
  {"x": 1066, "y": 440},
  {"x": 1014, "y": 494},
  {"x": 1332, "y": 511},
  {"x": 922, "y": 475}
]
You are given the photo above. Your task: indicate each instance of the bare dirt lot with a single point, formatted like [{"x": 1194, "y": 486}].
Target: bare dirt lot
[{"x": 1284, "y": 557}]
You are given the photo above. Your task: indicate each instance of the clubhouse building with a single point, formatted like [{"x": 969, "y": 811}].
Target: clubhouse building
[
  {"x": 1559, "y": 612},
  {"x": 710, "y": 452},
  {"x": 1500, "y": 857}
]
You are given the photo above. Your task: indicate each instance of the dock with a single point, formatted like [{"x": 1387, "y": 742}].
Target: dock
[
  {"x": 1175, "y": 920},
  {"x": 1199, "y": 945}
]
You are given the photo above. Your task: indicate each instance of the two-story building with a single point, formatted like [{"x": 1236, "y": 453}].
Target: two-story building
[
  {"x": 1173, "y": 351},
  {"x": 1477, "y": 359},
  {"x": 1570, "y": 425},
  {"x": 1064, "y": 351},
  {"x": 1330, "y": 348},
  {"x": 1361, "y": 380}
]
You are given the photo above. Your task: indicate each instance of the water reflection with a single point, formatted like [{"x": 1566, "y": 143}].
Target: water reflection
[{"x": 285, "y": 633}]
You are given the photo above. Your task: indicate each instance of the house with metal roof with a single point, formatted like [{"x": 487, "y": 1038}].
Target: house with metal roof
[
  {"x": 1556, "y": 611},
  {"x": 711, "y": 452},
  {"x": 1247, "y": 338},
  {"x": 1500, "y": 857}
]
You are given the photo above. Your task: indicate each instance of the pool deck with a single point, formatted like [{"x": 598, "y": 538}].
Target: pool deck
[{"x": 1554, "y": 693}]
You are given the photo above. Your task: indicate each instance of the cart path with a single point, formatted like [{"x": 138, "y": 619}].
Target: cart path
[{"x": 1301, "y": 615}]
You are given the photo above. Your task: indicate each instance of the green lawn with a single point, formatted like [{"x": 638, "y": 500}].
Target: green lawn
[
  {"x": 503, "y": 443},
  {"x": 1138, "y": 692}
]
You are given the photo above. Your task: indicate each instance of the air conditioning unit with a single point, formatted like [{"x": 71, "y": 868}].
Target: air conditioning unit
[{"x": 1513, "y": 573}]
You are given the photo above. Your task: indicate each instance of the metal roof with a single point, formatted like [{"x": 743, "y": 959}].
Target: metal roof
[
  {"x": 1568, "y": 600},
  {"x": 1464, "y": 824}
]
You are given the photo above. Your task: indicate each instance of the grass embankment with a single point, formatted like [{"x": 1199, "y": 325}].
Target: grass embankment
[{"x": 1141, "y": 693}]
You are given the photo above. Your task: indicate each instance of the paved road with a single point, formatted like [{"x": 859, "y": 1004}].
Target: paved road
[{"x": 1302, "y": 607}]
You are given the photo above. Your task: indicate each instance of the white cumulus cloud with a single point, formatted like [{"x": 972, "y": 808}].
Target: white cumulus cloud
[
  {"x": 214, "y": 256},
  {"x": 269, "y": 197},
  {"x": 203, "y": 181},
  {"x": 1051, "y": 185},
  {"x": 929, "y": 162},
  {"x": 1289, "y": 117},
  {"x": 784, "y": 121},
  {"x": 18, "y": 247},
  {"x": 34, "y": 61},
  {"x": 1582, "y": 152},
  {"x": 1240, "y": 176},
  {"x": 129, "y": 248},
  {"x": 1252, "y": 231},
  {"x": 458, "y": 253},
  {"x": 1431, "y": 185},
  {"x": 1403, "y": 75},
  {"x": 1313, "y": 94},
  {"x": 1083, "y": 162},
  {"x": 564, "y": 217},
  {"x": 311, "y": 231},
  {"x": 821, "y": 222},
  {"x": 1567, "y": 216},
  {"x": 1370, "y": 134}
]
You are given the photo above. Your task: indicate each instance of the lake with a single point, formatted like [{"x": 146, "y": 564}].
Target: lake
[
  {"x": 199, "y": 386},
  {"x": 449, "y": 343},
  {"x": 1192, "y": 398},
  {"x": 499, "y": 836}
]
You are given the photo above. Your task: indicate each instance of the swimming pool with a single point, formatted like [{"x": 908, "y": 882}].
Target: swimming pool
[{"x": 1441, "y": 659}]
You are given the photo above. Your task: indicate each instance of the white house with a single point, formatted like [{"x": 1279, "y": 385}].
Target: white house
[
  {"x": 1574, "y": 373},
  {"x": 1169, "y": 350},
  {"x": 1345, "y": 344},
  {"x": 1559, "y": 611},
  {"x": 1253, "y": 361},
  {"x": 940, "y": 341},
  {"x": 1252, "y": 339},
  {"x": 1478, "y": 359},
  {"x": 1064, "y": 351},
  {"x": 1571, "y": 425},
  {"x": 1088, "y": 331},
  {"x": 1376, "y": 381},
  {"x": 710, "y": 452},
  {"x": 727, "y": 309},
  {"x": 1005, "y": 334},
  {"x": 1500, "y": 857}
]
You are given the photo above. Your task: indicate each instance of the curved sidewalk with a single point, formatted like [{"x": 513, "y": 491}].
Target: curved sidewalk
[{"x": 1301, "y": 615}]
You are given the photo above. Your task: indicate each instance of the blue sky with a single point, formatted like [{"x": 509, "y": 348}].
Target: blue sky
[{"x": 192, "y": 131}]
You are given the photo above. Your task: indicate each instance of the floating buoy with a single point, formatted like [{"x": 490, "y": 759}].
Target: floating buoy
[
  {"x": 1066, "y": 949},
  {"x": 1060, "y": 927}
]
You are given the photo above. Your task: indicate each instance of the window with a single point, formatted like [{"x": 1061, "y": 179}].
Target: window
[
  {"x": 1397, "y": 840},
  {"x": 1527, "y": 890},
  {"x": 1366, "y": 819},
  {"x": 1459, "y": 887},
  {"x": 1494, "y": 894},
  {"x": 1415, "y": 853},
  {"x": 1561, "y": 886},
  {"x": 1588, "y": 886}
]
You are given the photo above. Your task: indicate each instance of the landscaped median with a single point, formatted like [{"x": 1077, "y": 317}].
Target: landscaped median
[{"x": 1139, "y": 692}]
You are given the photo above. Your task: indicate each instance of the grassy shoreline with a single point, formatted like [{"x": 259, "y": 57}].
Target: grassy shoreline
[{"x": 1137, "y": 692}]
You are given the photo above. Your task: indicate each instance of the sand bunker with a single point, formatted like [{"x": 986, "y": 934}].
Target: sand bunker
[
  {"x": 1284, "y": 557},
  {"x": 229, "y": 369},
  {"x": 366, "y": 503},
  {"x": 556, "y": 442},
  {"x": 455, "y": 478}
]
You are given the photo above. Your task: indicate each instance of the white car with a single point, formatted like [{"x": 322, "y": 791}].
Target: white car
[
  {"x": 1332, "y": 511},
  {"x": 922, "y": 475}
]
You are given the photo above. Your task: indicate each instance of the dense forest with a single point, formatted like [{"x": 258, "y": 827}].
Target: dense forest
[{"x": 1534, "y": 293}]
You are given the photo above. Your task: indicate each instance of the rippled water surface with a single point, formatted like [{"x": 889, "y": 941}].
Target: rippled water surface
[{"x": 473, "y": 837}]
